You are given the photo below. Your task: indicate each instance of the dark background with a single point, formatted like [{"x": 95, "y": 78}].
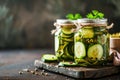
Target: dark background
[{"x": 26, "y": 24}]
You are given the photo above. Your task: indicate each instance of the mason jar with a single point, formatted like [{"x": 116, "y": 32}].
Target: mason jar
[
  {"x": 64, "y": 39},
  {"x": 91, "y": 42}
]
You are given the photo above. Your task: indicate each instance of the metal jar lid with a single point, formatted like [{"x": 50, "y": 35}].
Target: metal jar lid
[
  {"x": 92, "y": 22},
  {"x": 86, "y": 20},
  {"x": 65, "y": 22}
]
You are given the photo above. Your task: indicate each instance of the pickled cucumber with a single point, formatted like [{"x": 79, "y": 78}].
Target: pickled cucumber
[
  {"x": 80, "y": 51},
  {"x": 87, "y": 33},
  {"x": 68, "y": 50},
  {"x": 66, "y": 35},
  {"x": 60, "y": 52},
  {"x": 49, "y": 58},
  {"x": 68, "y": 64},
  {"x": 64, "y": 44},
  {"x": 66, "y": 31},
  {"x": 95, "y": 52}
]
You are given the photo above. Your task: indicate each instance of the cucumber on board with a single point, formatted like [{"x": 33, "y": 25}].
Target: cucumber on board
[
  {"x": 67, "y": 64},
  {"x": 95, "y": 52},
  {"x": 49, "y": 58},
  {"x": 79, "y": 50}
]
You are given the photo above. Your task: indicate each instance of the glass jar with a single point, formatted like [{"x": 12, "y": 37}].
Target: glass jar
[
  {"x": 64, "y": 39},
  {"x": 91, "y": 43}
]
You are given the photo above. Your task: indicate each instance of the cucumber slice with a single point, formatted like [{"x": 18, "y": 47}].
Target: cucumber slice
[
  {"x": 68, "y": 39},
  {"x": 61, "y": 51},
  {"x": 87, "y": 33},
  {"x": 70, "y": 48},
  {"x": 95, "y": 52},
  {"x": 82, "y": 62},
  {"x": 102, "y": 39},
  {"x": 77, "y": 37},
  {"x": 49, "y": 58},
  {"x": 67, "y": 64},
  {"x": 80, "y": 51},
  {"x": 66, "y": 31},
  {"x": 66, "y": 35},
  {"x": 67, "y": 53}
]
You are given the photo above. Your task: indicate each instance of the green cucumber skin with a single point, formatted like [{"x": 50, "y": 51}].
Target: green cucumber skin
[
  {"x": 66, "y": 52},
  {"x": 68, "y": 64},
  {"x": 87, "y": 32},
  {"x": 66, "y": 35},
  {"x": 95, "y": 48},
  {"x": 49, "y": 58},
  {"x": 96, "y": 62},
  {"x": 77, "y": 47},
  {"x": 100, "y": 37},
  {"x": 45, "y": 60}
]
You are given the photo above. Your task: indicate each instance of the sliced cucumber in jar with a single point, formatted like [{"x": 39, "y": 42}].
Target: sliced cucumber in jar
[
  {"x": 95, "y": 52},
  {"x": 66, "y": 35},
  {"x": 64, "y": 44},
  {"x": 77, "y": 37},
  {"x": 102, "y": 39},
  {"x": 65, "y": 51},
  {"x": 60, "y": 51},
  {"x": 68, "y": 39},
  {"x": 87, "y": 33},
  {"x": 68, "y": 53},
  {"x": 79, "y": 50},
  {"x": 70, "y": 48},
  {"x": 66, "y": 31}
]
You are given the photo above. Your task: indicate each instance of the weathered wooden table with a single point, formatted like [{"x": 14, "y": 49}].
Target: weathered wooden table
[{"x": 13, "y": 61}]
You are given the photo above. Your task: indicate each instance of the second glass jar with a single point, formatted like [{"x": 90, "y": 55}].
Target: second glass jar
[{"x": 91, "y": 44}]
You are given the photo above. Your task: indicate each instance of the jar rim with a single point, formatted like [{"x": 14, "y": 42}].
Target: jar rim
[
  {"x": 65, "y": 21},
  {"x": 86, "y": 20}
]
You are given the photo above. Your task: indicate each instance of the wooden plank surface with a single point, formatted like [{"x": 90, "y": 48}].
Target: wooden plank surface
[{"x": 78, "y": 72}]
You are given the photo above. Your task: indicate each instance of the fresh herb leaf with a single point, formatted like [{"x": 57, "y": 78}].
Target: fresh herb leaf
[
  {"x": 77, "y": 16},
  {"x": 70, "y": 16},
  {"x": 90, "y": 16},
  {"x": 101, "y": 15},
  {"x": 95, "y": 14},
  {"x": 73, "y": 16}
]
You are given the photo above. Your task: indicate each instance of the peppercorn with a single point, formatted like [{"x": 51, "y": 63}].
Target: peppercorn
[{"x": 20, "y": 72}]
